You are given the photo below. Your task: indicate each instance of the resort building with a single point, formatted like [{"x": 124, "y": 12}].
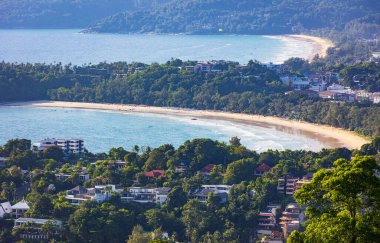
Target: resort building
[
  {"x": 146, "y": 195},
  {"x": 100, "y": 193},
  {"x": 68, "y": 145},
  {"x": 34, "y": 229}
]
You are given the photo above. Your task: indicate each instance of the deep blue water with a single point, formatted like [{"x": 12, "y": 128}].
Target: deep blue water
[
  {"x": 102, "y": 130},
  {"x": 70, "y": 46}
]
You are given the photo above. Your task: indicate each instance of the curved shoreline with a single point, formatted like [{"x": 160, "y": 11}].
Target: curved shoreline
[
  {"x": 336, "y": 137},
  {"x": 319, "y": 45}
]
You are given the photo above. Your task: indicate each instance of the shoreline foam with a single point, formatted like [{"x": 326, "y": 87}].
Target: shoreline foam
[
  {"x": 336, "y": 137},
  {"x": 320, "y": 45}
]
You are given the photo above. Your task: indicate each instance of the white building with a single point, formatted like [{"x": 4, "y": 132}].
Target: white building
[
  {"x": 65, "y": 176},
  {"x": 68, "y": 145},
  {"x": 20, "y": 208},
  {"x": 100, "y": 193},
  {"x": 5, "y": 209},
  {"x": 146, "y": 195}
]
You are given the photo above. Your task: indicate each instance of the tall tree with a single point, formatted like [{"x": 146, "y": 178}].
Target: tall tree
[{"x": 343, "y": 204}]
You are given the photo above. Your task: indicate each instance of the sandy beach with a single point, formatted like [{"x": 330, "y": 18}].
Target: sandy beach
[
  {"x": 335, "y": 137},
  {"x": 320, "y": 45}
]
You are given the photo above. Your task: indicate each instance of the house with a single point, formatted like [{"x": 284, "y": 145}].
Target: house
[
  {"x": 64, "y": 176},
  {"x": 182, "y": 168},
  {"x": 68, "y": 145},
  {"x": 220, "y": 190},
  {"x": 154, "y": 174},
  {"x": 301, "y": 182},
  {"x": 111, "y": 164},
  {"x": 146, "y": 195},
  {"x": 34, "y": 231},
  {"x": 203, "y": 67},
  {"x": 5, "y": 209},
  {"x": 100, "y": 193},
  {"x": 260, "y": 170},
  {"x": 205, "y": 171},
  {"x": 20, "y": 208}
]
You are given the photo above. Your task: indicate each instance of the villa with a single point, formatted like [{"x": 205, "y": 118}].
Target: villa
[
  {"x": 20, "y": 208},
  {"x": 146, "y": 195},
  {"x": 101, "y": 193},
  {"x": 220, "y": 190}
]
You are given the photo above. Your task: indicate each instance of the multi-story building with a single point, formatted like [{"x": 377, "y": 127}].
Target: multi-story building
[
  {"x": 267, "y": 221},
  {"x": 68, "y": 145},
  {"x": 289, "y": 185}
]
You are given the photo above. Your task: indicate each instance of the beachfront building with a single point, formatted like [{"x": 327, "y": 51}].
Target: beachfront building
[
  {"x": 146, "y": 195},
  {"x": 99, "y": 193},
  {"x": 31, "y": 228},
  {"x": 68, "y": 145}
]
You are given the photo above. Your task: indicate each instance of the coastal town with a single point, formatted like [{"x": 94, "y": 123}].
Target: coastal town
[
  {"x": 275, "y": 222},
  {"x": 324, "y": 84}
]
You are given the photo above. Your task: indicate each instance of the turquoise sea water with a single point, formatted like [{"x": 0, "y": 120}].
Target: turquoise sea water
[
  {"x": 102, "y": 130},
  {"x": 70, "y": 46}
]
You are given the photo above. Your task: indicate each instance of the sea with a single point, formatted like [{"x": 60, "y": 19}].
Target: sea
[
  {"x": 102, "y": 130},
  {"x": 71, "y": 46}
]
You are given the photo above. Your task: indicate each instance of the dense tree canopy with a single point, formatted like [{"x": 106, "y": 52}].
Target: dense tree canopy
[{"x": 343, "y": 203}]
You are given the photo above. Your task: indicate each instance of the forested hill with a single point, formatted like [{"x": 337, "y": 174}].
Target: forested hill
[
  {"x": 64, "y": 13},
  {"x": 248, "y": 17}
]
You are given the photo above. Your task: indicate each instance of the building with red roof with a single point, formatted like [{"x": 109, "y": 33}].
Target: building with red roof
[
  {"x": 262, "y": 169},
  {"x": 154, "y": 173}
]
